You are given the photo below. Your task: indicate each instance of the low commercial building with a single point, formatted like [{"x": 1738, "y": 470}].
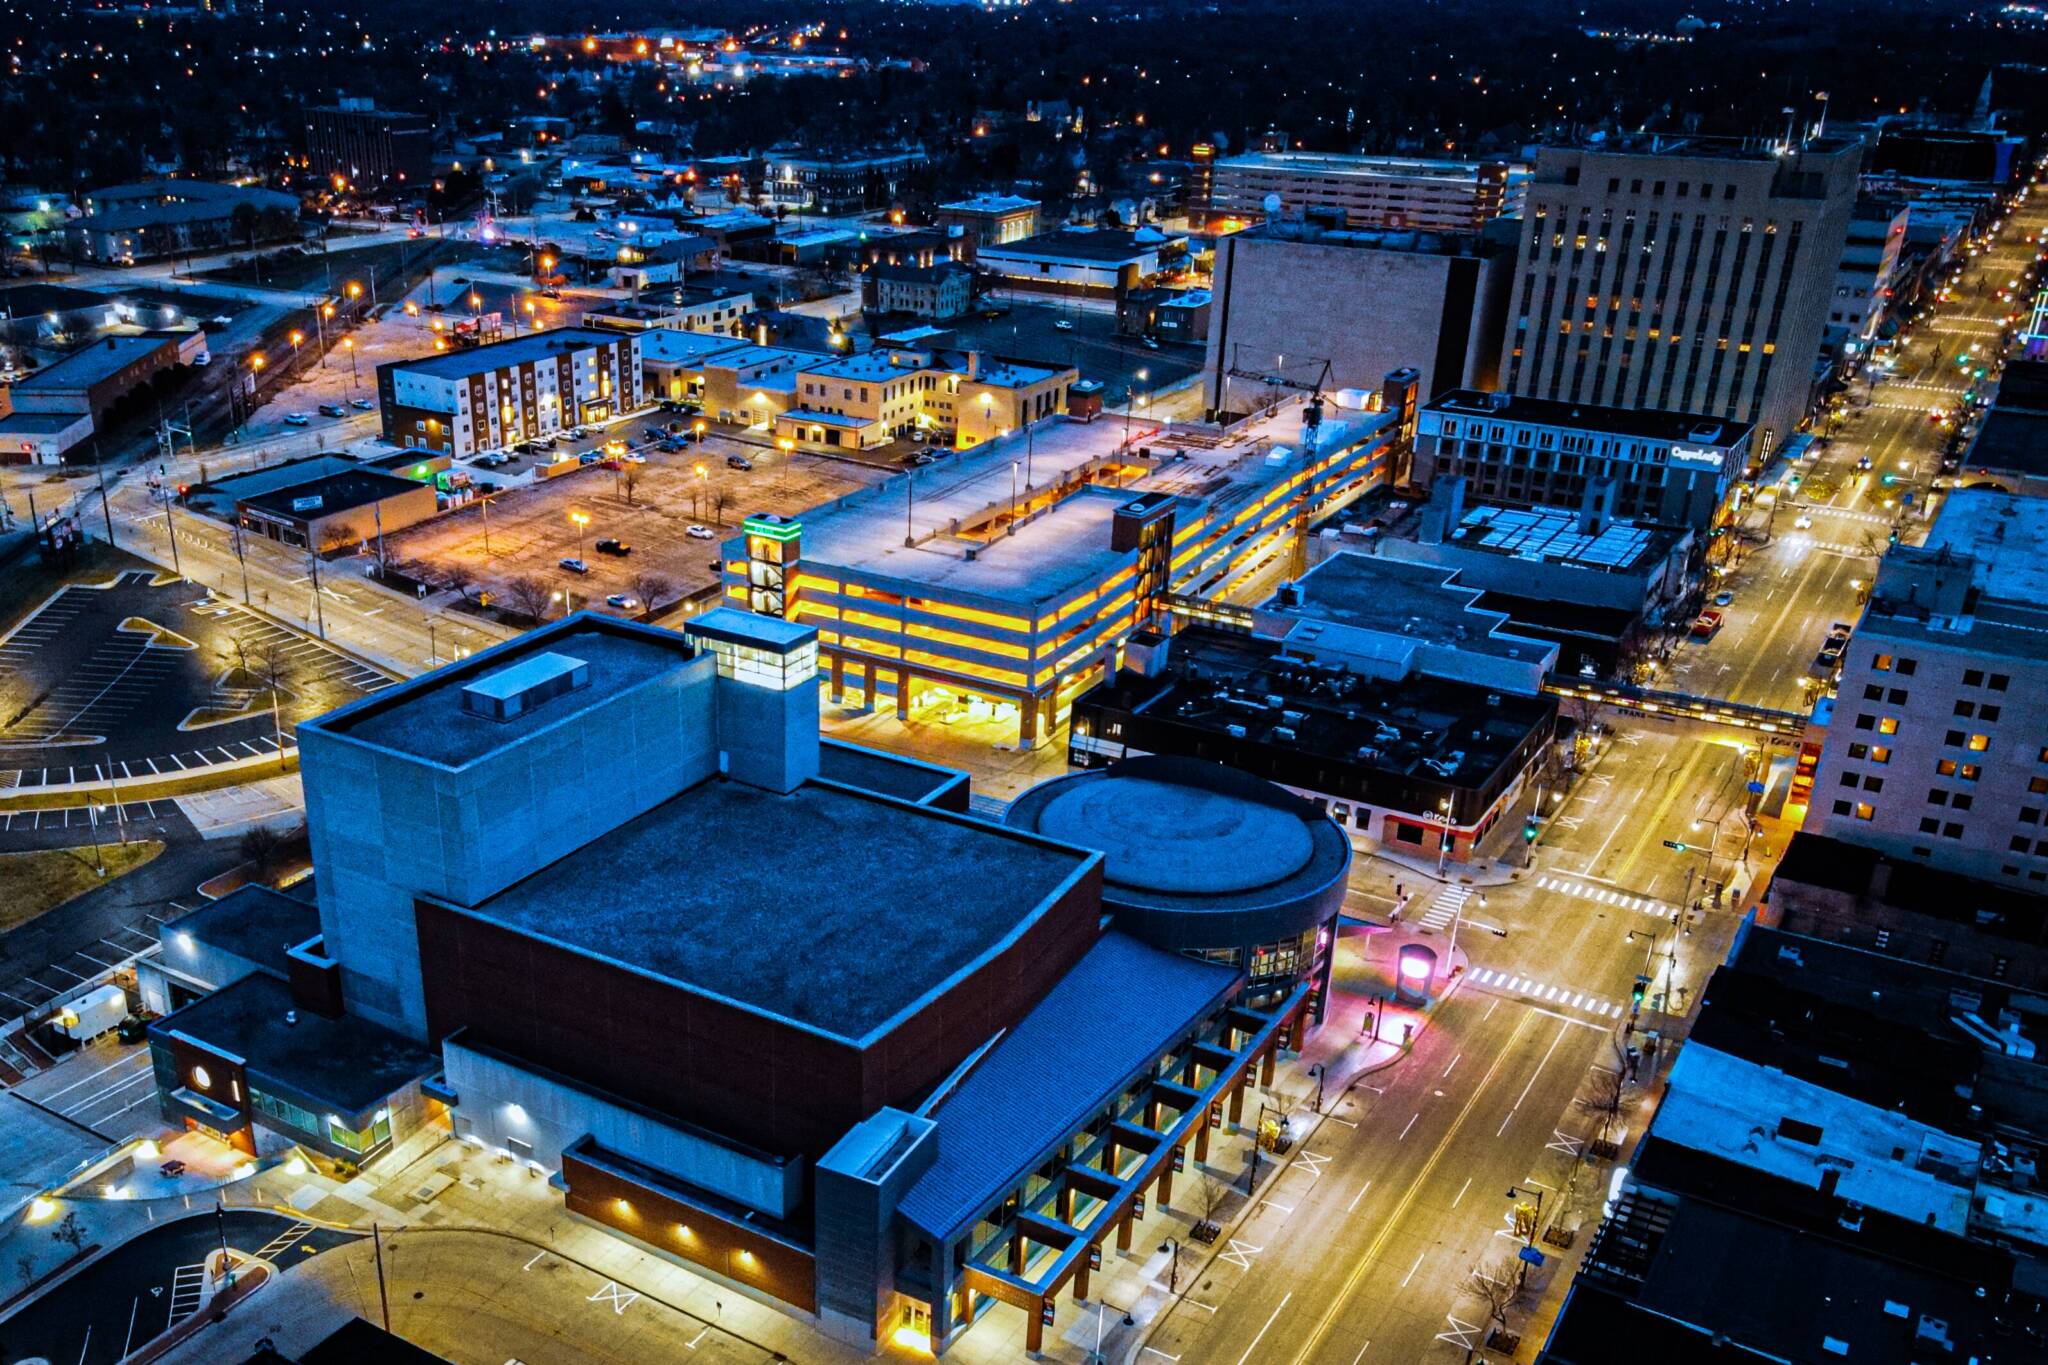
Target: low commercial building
[
  {"x": 991, "y": 219},
  {"x": 57, "y": 409},
  {"x": 731, "y": 380},
  {"x": 935, "y": 1099},
  {"x": 1288, "y": 296},
  {"x": 1379, "y": 691},
  {"x": 683, "y": 308},
  {"x": 1030, "y": 559},
  {"x": 123, "y": 224},
  {"x": 1164, "y": 314},
  {"x": 1666, "y": 468},
  {"x": 1369, "y": 191},
  {"x": 1864, "y": 899},
  {"x": 342, "y": 511},
  {"x": 251, "y": 929},
  {"x": 940, "y": 292},
  {"x": 961, "y": 398},
  {"x": 1084, "y": 262},
  {"x": 661, "y": 259},
  {"x": 1592, "y": 584},
  {"x": 2009, "y": 449},
  {"x": 489, "y": 397}
]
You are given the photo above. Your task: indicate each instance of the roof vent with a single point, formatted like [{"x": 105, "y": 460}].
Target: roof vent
[{"x": 513, "y": 691}]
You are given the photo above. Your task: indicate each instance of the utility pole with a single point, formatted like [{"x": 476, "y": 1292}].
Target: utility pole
[
  {"x": 227, "y": 1258},
  {"x": 100, "y": 471},
  {"x": 319, "y": 608},
  {"x": 235, "y": 538},
  {"x": 383, "y": 1294},
  {"x": 176, "y": 567}
]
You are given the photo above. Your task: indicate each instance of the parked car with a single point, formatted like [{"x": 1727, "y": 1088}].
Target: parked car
[
  {"x": 696, "y": 532},
  {"x": 1706, "y": 625},
  {"x": 923, "y": 458},
  {"x": 1723, "y": 598},
  {"x": 574, "y": 565},
  {"x": 297, "y": 419},
  {"x": 333, "y": 410},
  {"x": 738, "y": 462},
  {"x": 361, "y": 404},
  {"x": 1150, "y": 343},
  {"x": 610, "y": 546},
  {"x": 1802, "y": 523},
  {"x": 545, "y": 443},
  {"x": 1063, "y": 325},
  {"x": 653, "y": 433},
  {"x": 623, "y": 601},
  {"x": 633, "y": 457}
]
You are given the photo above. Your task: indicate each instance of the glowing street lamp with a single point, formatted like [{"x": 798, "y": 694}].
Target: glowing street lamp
[
  {"x": 582, "y": 520},
  {"x": 349, "y": 344}
]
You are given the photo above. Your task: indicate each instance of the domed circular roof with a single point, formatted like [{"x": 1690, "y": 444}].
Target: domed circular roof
[{"x": 1163, "y": 836}]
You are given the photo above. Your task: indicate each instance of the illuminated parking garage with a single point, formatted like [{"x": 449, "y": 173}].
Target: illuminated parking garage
[{"x": 1005, "y": 580}]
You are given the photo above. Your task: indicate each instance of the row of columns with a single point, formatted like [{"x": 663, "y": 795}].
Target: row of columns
[
  {"x": 1286, "y": 1036},
  {"x": 1035, "y": 713}
]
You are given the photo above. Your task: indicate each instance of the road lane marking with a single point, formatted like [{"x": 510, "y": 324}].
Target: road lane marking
[
  {"x": 1461, "y": 1191},
  {"x": 1413, "y": 1268},
  {"x": 1532, "y": 1078},
  {"x": 1410, "y": 1124},
  {"x": 1263, "y": 1330},
  {"x": 1353, "y": 1205},
  {"x": 1454, "y": 1061},
  {"x": 1379, "y": 1243}
]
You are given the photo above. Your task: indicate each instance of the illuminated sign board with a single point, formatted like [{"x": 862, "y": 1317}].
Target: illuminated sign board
[{"x": 1694, "y": 455}]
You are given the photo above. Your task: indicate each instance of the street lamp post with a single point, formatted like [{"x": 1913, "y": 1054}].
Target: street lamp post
[
  {"x": 582, "y": 520},
  {"x": 1443, "y": 838},
  {"x": 1318, "y": 1070},
  {"x": 1172, "y": 1246},
  {"x": 349, "y": 344},
  {"x": 296, "y": 337}
]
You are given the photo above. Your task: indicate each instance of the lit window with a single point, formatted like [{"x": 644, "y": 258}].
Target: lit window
[
  {"x": 1979, "y": 743},
  {"x": 1888, "y": 725}
]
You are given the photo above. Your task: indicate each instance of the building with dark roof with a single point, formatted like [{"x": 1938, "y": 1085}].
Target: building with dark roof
[
  {"x": 337, "y": 511},
  {"x": 864, "y": 1058},
  {"x": 360, "y": 147},
  {"x": 940, "y": 291},
  {"x": 2010, "y": 447},
  {"x": 1844, "y": 1164},
  {"x": 1092, "y": 262},
  {"x": 123, "y": 224},
  {"x": 1377, "y": 690}
]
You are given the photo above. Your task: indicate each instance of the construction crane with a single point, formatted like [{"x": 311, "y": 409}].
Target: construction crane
[{"x": 1284, "y": 375}]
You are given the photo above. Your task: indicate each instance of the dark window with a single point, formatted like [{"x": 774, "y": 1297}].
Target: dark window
[
  {"x": 1841, "y": 808},
  {"x": 1906, "y": 667},
  {"x": 1859, "y": 750},
  {"x": 1951, "y": 831},
  {"x": 1973, "y": 677},
  {"x": 1954, "y": 737},
  {"x": 1987, "y": 713},
  {"x": 1929, "y": 825},
  {"x": 1966, "y": 709},
  {"x": 1999, "y": 682},
  {"x": 1898, "y": 696},
  {"x": 1866, "y": 720}
]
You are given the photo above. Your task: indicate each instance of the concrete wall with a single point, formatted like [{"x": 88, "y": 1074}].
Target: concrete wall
[
  {"x": 1282, "y": 304},
  {"x": 859, "y": 1184},
  {"x": 385, "y": 827},
  {"x": 536, "y": 1116}
]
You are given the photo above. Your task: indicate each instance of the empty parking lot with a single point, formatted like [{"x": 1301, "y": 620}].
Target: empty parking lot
[{"x": 138, "y": 678}]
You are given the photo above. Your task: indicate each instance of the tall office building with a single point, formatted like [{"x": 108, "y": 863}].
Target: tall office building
[
  {"x": 1935, "y": 754},
  {"x": 1693, "y": 277},
  {"x": 367, "y": 146}
]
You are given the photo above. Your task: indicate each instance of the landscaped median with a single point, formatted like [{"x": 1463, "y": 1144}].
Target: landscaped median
[
  {"x": 188, "y": 783},
  {"x": 44, "y": 879}
]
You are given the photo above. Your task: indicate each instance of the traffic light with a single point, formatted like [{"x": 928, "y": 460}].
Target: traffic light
[
  {"x": 1638, "y": 991},
  {"x": 1529, "y": 830}
]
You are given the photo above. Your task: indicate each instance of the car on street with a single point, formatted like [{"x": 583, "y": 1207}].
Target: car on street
[
  {"x": 696, "y": 532},
  {"x": 1063, "y": 325},
  {"x": 1706, "y": 625},
  {"x": 1149, "y": 343},
  {"x": 1863, "y": 463},
  {"x": 333, "y": 410},
  {"x": 623, "y": 601},
  {"x": 610, "y": 546},
  {"x": 1802, "y": 523},
  {"x": 738, "y": 462},
  {"x": 297, "y": 419},
  {"x": 588, "y": 457},
  {"x": 923, "y": 458},
  {"x": 361, "y": 404},
  {"x": 574, "y": 565}
]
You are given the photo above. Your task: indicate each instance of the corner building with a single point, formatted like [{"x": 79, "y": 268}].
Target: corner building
[{"x": 768, "y": 1007}]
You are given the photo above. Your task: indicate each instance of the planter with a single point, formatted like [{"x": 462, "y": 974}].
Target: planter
[
  {"x": 1497, "y": 1340},
  {"x": 1205, "y": 1232},
  {"x": 1603, "y": 1150},
  {"x": 1559, "y": 1237}
]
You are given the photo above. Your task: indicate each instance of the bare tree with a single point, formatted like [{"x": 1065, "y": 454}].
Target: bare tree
[
  {"x": 629, "y": 477},
  {"x": 460, "y": 578},
  {"x": 273, "y": 670},
  {"x": 71, "y": 1232},
  {"x": 529, "y": 595},
  {"x": 720, "y": 500},
  {"x": 25, "y": 1267},
  {"x": 1209, "y": 1196},
  {"x": 1498, "y": 1285},
  {"x": 650, "y": 587},
  {"x": 1609, "y": 1094}
]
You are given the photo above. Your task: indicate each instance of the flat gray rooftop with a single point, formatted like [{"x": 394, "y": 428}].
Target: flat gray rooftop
[
  {"x": 828, "y": 907},
  {"x": 425, "y": 718},
  {"x": 501, "y": 355},
  {"x": 1407, "y": 599},
  {"x": 89, "y": 365}
]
